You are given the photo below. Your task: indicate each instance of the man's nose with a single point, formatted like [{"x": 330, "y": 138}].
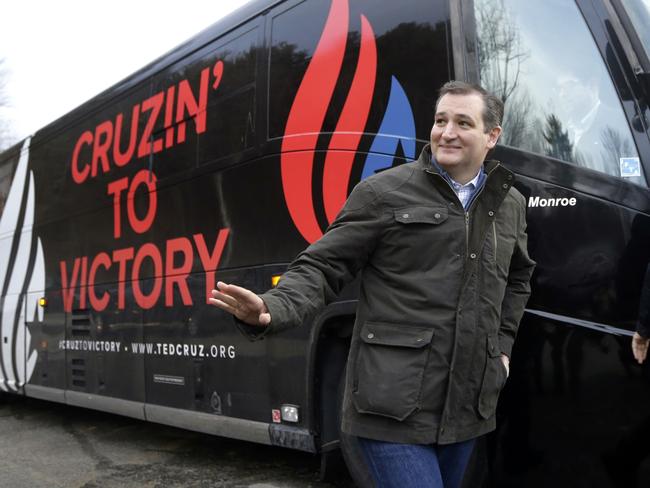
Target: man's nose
[{"x": 449, "y": 132}]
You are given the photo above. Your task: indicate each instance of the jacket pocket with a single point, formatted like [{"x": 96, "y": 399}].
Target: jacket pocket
[
  {"x": 390, "y": 368},
  {"x": 421, "y": 215},
  {"x": 494, "y": 378}
]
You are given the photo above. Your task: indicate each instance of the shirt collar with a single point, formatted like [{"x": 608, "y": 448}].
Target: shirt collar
[{"x": 476, "y": 181}]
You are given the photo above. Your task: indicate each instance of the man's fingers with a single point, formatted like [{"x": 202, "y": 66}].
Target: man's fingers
[
  {"x": 640, "y": 354},
  {"x": 506, "y": 363},
  {"x": 639, "y": 347},
  {"x": 245, "y": 298},
  {"x": 234, "y": 303},
  {"x": 635, "y": 351},
  {"x": 265, "y": 318},
  {"x": 222, "y": 305},
  {"x": 242, "y": 303},
  {"x": 237, "y": 292},
  {"x": 236, "y": 296}
]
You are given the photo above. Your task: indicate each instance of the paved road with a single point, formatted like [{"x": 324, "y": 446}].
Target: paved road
[{"x": 45, "y": 444}]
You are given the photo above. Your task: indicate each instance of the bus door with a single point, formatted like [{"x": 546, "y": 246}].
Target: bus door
[
  {"x": 193, "y": 360},
  {"x": 103, "y": 319},
  {"x": 97, "y": 241},
  {"x": 571, "y": 134}
]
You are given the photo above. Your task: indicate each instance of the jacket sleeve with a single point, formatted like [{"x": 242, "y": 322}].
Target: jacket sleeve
[
  {"x": 518, "y": 287},
  {"x": 319, "y": 273},
  {"x": 643, "y": 323}
]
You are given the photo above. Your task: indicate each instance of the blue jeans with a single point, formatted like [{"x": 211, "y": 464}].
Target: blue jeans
[{"x": 416, "y": 465}]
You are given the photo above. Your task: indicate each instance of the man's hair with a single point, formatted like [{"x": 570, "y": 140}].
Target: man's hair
[{"x": 492, "y": 105}]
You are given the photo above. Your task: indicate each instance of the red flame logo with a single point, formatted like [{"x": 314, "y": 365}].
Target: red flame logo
[{"x": 306, "y": 118}]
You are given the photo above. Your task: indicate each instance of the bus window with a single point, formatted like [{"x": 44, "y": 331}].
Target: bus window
[
  {"x": 291, "y": 51},
  {"x": 213, "y": 103},
  {"x": 231, "y": 116},
  {"x": 404, "y": 35},
  {"x": 540, "y": 58}
]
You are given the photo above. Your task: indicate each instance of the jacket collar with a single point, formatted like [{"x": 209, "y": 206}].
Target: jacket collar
[{"x": 492, "y": 166}]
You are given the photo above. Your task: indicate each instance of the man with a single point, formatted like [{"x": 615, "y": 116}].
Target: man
[
  {"x": 641, "y": 337},
  {"x": 440, "y": 246}
]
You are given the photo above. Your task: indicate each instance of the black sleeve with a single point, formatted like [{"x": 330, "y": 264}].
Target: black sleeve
[
  {"x": 518, "y": 286},
  {"x": 319, "y": 273}
]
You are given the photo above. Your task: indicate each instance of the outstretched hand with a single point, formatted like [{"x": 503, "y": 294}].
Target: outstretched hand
[
  {"x": 242, "y": 303},
  {"x": 640, "y": 347}
]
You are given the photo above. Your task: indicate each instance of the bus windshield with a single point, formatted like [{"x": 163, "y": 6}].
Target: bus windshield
[{"x": 639, "y": 13}]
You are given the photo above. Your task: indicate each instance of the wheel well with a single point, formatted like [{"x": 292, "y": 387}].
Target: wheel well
[{"x": 331, "y": 356}]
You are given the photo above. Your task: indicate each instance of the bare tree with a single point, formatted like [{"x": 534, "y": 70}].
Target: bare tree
[
  {"x": 615, "y": 145},
  {"x": 500, "y": 50},
  {"x": 519, "y": 121},
  {"x": 6, "y": 134},
  {"x": 502, "y": 56}
]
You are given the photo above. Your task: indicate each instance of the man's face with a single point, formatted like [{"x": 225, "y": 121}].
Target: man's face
[{"x": 458, "y": 138}]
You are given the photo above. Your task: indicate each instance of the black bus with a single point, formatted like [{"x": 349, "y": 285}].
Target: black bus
[{"x": 226, "y": 157}]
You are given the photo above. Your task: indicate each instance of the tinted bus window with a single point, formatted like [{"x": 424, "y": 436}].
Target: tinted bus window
[
  {"x": 542, "y": 60},
  {"x": 350, "y": 96},
  {"x": 231, "y": 119},
  {"x": 214, "y": 108},
  {"x": 410, "y": 39}
]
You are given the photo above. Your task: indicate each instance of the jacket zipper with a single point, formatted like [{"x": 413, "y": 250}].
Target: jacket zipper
[
  {"x": 470, "y": 207},
  {"x": 461, "y": 206},
  {"x": 467, "y": 218},
  {"x": 466, "y": 234},
  {"x": 494, "y": 233}
]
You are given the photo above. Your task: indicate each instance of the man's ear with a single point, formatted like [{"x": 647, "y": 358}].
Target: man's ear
[{"x": 493, "y": 136}]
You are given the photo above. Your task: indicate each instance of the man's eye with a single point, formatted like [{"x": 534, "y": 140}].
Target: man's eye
[
  {"x": 464, "y": 123},
  {"x": 440, "y": 121}
]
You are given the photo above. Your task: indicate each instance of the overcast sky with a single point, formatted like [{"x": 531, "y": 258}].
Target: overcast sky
[{"x": 61, "y": 53}]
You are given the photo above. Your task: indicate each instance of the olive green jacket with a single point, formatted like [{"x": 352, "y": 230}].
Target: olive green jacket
[{"x": 442, "y": 293}]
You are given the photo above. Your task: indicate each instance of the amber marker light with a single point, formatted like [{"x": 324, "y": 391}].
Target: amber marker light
[
  {"x": 42, "y": 302},
  {"x": 275, "y": 280}
]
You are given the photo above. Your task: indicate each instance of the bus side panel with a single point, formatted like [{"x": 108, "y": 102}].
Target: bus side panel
[{"x": 570, "y": 412}]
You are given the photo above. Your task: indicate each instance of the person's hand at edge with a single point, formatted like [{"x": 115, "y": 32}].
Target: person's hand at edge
[
  {"x": 640, "y": 347},
  {"x": 506, "y": 363},
  {"x": 242, "y": 303}
]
